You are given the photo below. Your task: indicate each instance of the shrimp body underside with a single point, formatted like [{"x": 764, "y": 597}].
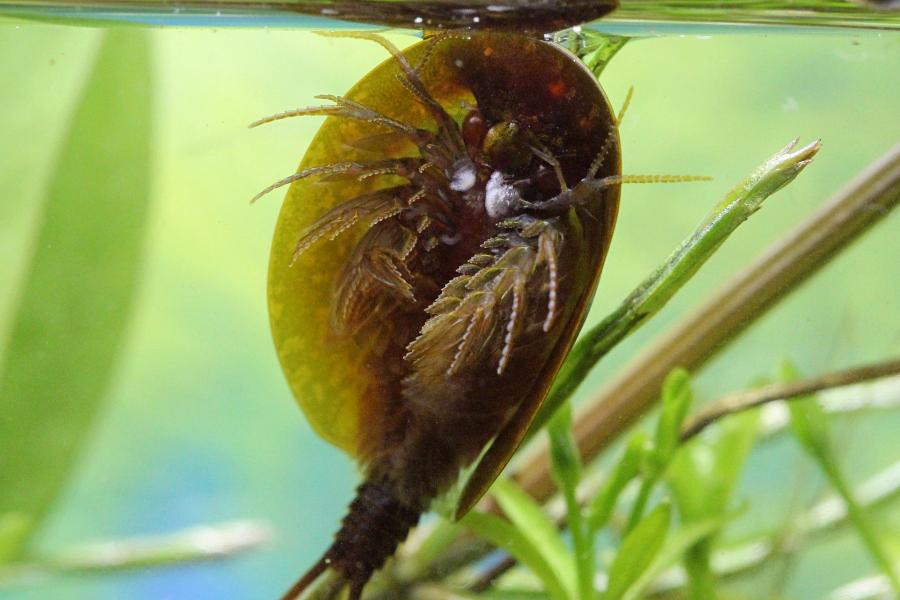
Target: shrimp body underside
[{"x": 432, "y": 263}]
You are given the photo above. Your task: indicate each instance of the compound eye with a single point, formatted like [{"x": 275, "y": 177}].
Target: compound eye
[{"x": 507, "y": 147}]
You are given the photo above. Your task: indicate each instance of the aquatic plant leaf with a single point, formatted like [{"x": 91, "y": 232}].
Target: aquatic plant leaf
[
  {"x": 566, "y": 462},
  {"x": 676, "y": 400},
  {"x": 811, "y": 426},
  {"x": 507, "y": 536},
  {"x": 74, "y": 306},
  {"x": 809, "y": 423},
  {"x": 566, "y": 467},
  {"x": 528, "y": 517},
  {"x": 704, "y": 473},
  {"x": 638, "y": 550},
  {"x": 673, "y": 549},
  {"x": 702, "y": 477},
  {"x": 628, "y": 467}
]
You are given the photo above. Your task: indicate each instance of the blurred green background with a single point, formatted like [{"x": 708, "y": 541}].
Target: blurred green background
[{"x": 198, "y": 425}]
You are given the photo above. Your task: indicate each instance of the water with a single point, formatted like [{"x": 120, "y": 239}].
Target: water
[
  {"x": 198, "y": 426},
  {"x": 635, "y": 17}
]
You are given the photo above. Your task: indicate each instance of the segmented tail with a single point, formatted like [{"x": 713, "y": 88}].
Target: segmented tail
[{"x": 375, "y": 524}]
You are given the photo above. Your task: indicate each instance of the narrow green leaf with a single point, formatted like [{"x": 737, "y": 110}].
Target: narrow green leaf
[
  {"x": 628, "y": 467},
  {"x": 638, "y": 550},
  {"x": 704, "y": 473},
  {"x": 439, "y": 539},
  {"x": 676, "y": 400},
  {"x": 566, "y": 463},
  {"x": 674, "y": 548},
  {"x": 71, "y": 316},
  {"x": 566, "y": 468},
  {"x": 702, "y": 478},
  {"x": 810, "y": 426},
  {"x": 511, "y": 538},
  {"x": 529, "y": 518},
  {"x": 809, "y": 422}
]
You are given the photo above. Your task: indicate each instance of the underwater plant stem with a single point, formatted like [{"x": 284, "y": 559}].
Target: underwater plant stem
[
  {"x": 826, "y": 460},
  {"x": 637, "y": 509},
  {"x": 701, "y": 584},
  {"x": 701, "y": 334},
  {"x": 746, "y": 399}
]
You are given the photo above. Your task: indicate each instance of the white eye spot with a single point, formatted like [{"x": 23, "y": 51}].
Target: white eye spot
[
  {"x": 463, "y": 176},
  {"x": 499, "y": 198},
  {"x": 451, "y": 240}
]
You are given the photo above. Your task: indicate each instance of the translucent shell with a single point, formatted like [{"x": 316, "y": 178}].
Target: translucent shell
[{"x": 347, "y": 380}]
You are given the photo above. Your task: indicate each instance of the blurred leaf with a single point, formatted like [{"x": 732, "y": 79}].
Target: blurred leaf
[
  {"x": 439, "y": 539},
  {"x": 509, "y": 537},
  {"x": 566, "y": 468},
  {"x": 676, "y": 400},
  {"x": 565, "y": 461},
  {"x": 675, "y": 546},
  {"x": 529, "y": 518},
  {"x": 810, "y": 426},
  {"x": 625, "y": 471},
  {"x": 637, "y": 551},
  {"x": 74, "y": 307},
  {"x": 704, "y": 472},
  {"x": 809, "y": 422},
  {"x": 14, "y": 527},
  {"x": 702, "y": 478}
]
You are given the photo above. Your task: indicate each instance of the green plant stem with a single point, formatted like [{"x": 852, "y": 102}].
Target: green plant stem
[
  {"x": 637, "y": 509},
  {"x": 658, "y": 288},
  {"x": 699, "y": 336},
  {"x": 701, "y": 579},
  {"x": 567, "y": 469},
  {"x": 857, "y": 515},
  {"x": 583, "y": 543}
]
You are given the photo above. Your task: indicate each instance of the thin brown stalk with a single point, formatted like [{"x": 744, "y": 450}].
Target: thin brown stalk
[{"x": 747, "y": 399}]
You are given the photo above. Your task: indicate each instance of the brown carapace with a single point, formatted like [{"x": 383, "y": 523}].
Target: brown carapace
[{"x": 432, "y": 264}]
